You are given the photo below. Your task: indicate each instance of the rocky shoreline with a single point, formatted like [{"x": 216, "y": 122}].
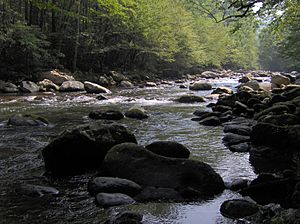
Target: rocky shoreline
[{"x": 259, "y": 118}]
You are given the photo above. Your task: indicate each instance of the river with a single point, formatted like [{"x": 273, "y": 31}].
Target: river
[{"x": 21, "y": 161}]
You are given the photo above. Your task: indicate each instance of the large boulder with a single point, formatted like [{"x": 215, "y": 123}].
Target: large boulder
[
  {"x": 233, "y": 139},
  {"x": 113, "y": 185},
  {"x": 57, "y": 77},
  {"x": 253, "y": 84},
  {"x": 71, "y": 86},
  {"x": 83, "y": 148},
  {"x": 135, "y": 163},
  {"x": 95, "y": 88},
  {"x": 200, "y": 86},
  {"x": 117, "y": 77},
  {"x": 126, "y": 84},
  {"x": 169, "y": 149},
  {"x": 29, "y": 87}
]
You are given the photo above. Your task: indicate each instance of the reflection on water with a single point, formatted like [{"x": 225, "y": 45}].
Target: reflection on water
[{"x": 20, "y": 160}]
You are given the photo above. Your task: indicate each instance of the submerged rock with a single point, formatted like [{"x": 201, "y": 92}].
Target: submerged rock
[
  {"x": 135, "y": 163},
  {"x": 27, "y": 120},
  {"x": 169, "y": 149},
  {"x": 83, "y": 148},
  {"x": 115, "y": 199},
  {"x": 238, "y": 208},
  {"x": 158, "y": 194},
  {"x": 126, "y": 218},
  {"x": 137, "y": 113},
  {"x": 113, "y": 185},
  {"x": 36, "y": 190},
  {"x": 106, "y": 115}
]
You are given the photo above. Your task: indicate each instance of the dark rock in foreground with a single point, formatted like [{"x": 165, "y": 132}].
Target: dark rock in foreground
[
  {"x": 238, "y": 208},
  {"x": 113, "y": 185},
  {"x": 135, "y": 163},
  {"x": 169, "y": 149},
  {"x": 190, "y": 99},
  {"x": 83, "y": 148}
]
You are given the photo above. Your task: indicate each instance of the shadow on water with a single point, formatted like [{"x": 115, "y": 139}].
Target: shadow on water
[{"x": 21, "y": 162}]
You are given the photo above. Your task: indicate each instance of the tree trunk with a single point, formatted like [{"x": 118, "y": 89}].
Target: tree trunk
[{"x": 78, "y": 4}]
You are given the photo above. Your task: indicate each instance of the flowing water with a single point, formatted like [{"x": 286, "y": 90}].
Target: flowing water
[{"x": 21, "y": 161}]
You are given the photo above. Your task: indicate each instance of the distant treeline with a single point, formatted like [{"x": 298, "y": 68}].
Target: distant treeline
[{"x": 94, "y": 35}]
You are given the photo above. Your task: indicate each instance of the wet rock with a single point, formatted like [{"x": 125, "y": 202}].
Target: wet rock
[
  {"x": 281, "y": 120},
  {"x": 126, "y": 218},
  {"x": 83, "y": 148},
  {"x": 266, "y": 189},
  {"x": 238, "y": 208},
  {"x": 71, "y": 86},
  {"x": 197, "y": 86},
  {"x": 270, "y": 135},
  {"x": 27, "y": 120},
  {"x": 150, "y": 84},
  {"x": 113, "y": 185},
  {"x": 200, "y": 112},
  {"x": 103, "y": 81},
  {"x": 48, "y": 85},
  {"x": 253, "y": 84},
  {"x": 106, "y": 115},
  {"x": 241, "y": 147},
  {"x": 29, "y": 87},
  {"x": 135, "y": 163},
  {"x": 209, "y": 75},
  {"x": 95, "y": 88},
  {"x": 115, "y": 199},
  {"x": 277, "y": 80},
  {"x": 126, "y": 84},
  {"x": 233, "y": 139},
  {"x": 36, "y": 190},
  {"x": 211, "y": 121},
  {"x": 182, "y": 86},
  {"x": 246, "y": 78},
  {"x": 221, "y": 90},
  {"x": 222, "y": 108},
  {"x": 238, "y": 129},
  {"x": 7, "y": 87},
  {"x": 237, "y": 184},
  {"x": 117, "y": 77},
  {"x": 101, "y": 97},
  {"x": 158, "y": 194},
  {"x": 137, "y": 113},
  {"x": 57, "y": 77},
  {"x": 275, "y": 109},
  {"x": 190, "y": 99},
  {"x": 169, "y": 149}
]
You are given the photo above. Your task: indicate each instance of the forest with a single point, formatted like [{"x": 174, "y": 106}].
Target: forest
[{"x": 93, "y": 36}]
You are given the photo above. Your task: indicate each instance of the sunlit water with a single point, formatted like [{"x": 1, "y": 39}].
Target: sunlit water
[{"x": 21, "y": 162}]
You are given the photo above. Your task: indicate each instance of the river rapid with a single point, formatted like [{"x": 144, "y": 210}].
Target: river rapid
[{"x": 21, "y": 161}]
